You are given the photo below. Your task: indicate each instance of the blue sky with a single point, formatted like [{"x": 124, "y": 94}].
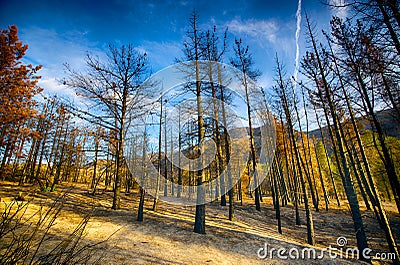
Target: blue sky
[{"x": 60, "y": 32}]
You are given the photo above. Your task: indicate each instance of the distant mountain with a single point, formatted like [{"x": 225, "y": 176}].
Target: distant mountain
[{"x": 387, "y": 118}]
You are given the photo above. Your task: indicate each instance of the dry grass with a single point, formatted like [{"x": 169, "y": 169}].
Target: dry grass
[{"x": 166, "y": 237}]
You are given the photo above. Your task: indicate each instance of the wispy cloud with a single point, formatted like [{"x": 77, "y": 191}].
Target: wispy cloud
[
  {"x": 270, "y": 37},
  {"x": 53, "y": 87},
  {"x": 267, "y": 29},
  {"x": 52, "y": 49},
  {"x": 340, "y": 9}
]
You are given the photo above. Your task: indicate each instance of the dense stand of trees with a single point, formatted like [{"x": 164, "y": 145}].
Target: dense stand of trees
[{"x": 349, "y": 75}]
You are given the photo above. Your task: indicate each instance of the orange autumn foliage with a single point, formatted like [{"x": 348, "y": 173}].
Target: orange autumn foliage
[{"x": 18, "y": 86}]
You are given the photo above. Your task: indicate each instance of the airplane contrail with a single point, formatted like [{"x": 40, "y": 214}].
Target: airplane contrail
[{"x": 298, "y": 26}]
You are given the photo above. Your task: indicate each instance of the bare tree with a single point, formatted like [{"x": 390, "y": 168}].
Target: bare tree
[
  {"x": 113, "y": 89},
  {"x": 282, "y": 90},
  {"x": 244, "y": 62},
  {"x": 314, "y": 66}
]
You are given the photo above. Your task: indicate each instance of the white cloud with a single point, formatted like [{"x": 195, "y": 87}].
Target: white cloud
[
  {"x": 53, "y": 87},
  {"x": 270, "y": 36},
  {"x": 52, "y": 49},
  {"x": 267, "y": 29},
  {"x": 266, "y": 80},
  {"x": 339, "y": 9}
]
